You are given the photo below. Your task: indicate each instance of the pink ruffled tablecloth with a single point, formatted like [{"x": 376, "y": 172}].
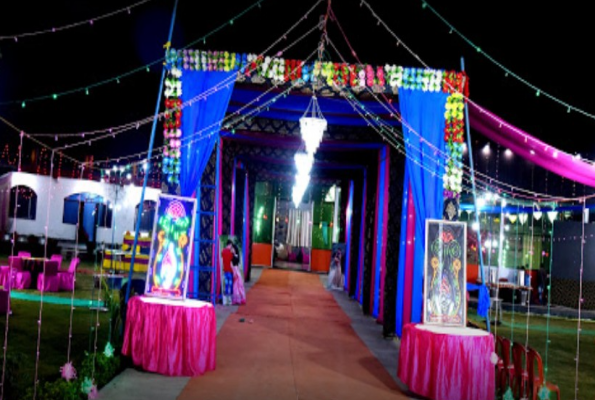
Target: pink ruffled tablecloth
[
  {"x": 447, "y": 363},
  {"x": 173, "y": 338}
]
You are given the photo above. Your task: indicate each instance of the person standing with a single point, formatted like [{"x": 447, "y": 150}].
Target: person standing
[{"x": 226, "y": 259}]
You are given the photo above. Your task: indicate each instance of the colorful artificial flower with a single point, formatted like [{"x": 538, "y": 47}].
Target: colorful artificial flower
[
  {"x": 109, "y": 350},
  {"x": 544, "y": 393},
  {"x": 68, "y": 372},
  {"x": 508, "y": 394}
]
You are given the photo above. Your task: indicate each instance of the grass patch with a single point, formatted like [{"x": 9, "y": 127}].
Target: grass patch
[
  {"x": 561, "y": 352},
  {"x": 23, "y": 333}
]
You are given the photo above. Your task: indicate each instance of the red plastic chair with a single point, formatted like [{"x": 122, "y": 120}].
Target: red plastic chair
[
  {"x": 505, "y": 365},
  {"x": 536, "y": 381},
  {"x": 520, "y": 379}
]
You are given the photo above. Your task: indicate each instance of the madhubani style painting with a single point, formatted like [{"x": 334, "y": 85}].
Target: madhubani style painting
[{"x": 445, "y": 273}]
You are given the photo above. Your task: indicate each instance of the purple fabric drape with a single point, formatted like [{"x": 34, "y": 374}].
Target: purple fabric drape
[{"x": 528, "y": 147}]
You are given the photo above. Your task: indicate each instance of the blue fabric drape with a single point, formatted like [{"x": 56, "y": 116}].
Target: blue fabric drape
[
  {"x": 423, "y": 115},
  {"x": 202, "y": 116},
  {"x": 483, "y": 300}
]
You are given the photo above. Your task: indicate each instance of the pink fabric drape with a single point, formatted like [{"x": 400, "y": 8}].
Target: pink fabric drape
[
  {"x": 173, "y": 338},
  {"x": 528, "y": 147},
  {"x": 409, "y": 258},
  {"x": 443, "y": 366},
  {"x": 239, "y": 293}
]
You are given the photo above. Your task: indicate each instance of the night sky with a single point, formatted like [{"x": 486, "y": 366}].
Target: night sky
[{"x": 549, "y": 46}]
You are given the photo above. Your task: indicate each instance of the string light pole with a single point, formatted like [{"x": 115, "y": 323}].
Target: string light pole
[{"x": 149, "y": 155}]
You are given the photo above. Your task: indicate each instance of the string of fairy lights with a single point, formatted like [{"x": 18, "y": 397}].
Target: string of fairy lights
[
  {"x": 502, "y": 123},
  {"x": 191, "y": 139},
  {"x": 146, "y": 67},
  {"x": 387, "y": 132},
  {"x": 544, "y": 392},
  {"x": 536, "y": 196},
  {"x": 538, "y": 91},
  {"x": 92, "y": 383},
  {"x": 86, "y": 22}
]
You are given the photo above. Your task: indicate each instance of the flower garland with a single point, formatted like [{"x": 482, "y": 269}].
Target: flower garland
[
  {"x": 387, "y": 78},
  {"x": 173, "y": 120},
  {"x": 279, "y": 70},
  {"x": 454, "y": 138}
]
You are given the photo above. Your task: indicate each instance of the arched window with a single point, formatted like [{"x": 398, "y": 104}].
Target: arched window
[
  {"x": 26, "y": 202},
  {"x": 147, "y": 216}
]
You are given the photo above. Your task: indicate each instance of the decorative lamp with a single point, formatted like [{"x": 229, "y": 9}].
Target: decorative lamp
[
  {"x": 303, "y": 164},
  {"x": 312, "y": 126}
]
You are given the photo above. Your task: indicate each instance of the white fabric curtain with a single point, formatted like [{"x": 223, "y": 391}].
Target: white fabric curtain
[{"x": 298, "y": 228}]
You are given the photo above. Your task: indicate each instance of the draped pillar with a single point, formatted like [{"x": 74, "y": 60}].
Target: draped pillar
[{"x": 423, "y": 129}]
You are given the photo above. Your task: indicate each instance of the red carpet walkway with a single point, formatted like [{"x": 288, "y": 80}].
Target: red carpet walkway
[{"x": 296, "y": 343}]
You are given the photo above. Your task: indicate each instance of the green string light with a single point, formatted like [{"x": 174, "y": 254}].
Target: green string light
[
  {"x": 23, "y": 105},
  {"x": 87, "y": 91},
  {"x": 136, "y": 70}
]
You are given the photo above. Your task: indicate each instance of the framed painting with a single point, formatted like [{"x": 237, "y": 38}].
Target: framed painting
[
  {"x": 171, "y": 247},
  {"x": 445, "y": 273}
]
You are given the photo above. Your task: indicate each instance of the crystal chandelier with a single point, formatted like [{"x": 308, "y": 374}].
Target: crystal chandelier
[
  {"x": 303, "y": 164},
  {"x": 312, "y": 126}
]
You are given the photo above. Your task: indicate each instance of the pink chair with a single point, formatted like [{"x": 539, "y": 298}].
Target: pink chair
[
  {"x": 57, "y": 257},
  {"x": 67, "y": 277},
  {"x": 25, "y": 254},
  {"x": 49, "y": 281},
  {"x": 20, "y": 279}
]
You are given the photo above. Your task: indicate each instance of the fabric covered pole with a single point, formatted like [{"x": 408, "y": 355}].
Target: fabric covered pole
[
  {"x": 246, "y": 233},
  {"x": 362, "y": 236},
  {"x": 232, "y": 225},
  {"x": 423, "y": 114},
  {"x": 402, "y": 317},
  {"x": 383, "y": 227},
  {"x": 406, "y": 258},
  {"x": 348, "y": 226}
]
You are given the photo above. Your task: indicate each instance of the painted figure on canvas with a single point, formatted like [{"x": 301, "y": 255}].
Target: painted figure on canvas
[{"x": 445, "y": 275}]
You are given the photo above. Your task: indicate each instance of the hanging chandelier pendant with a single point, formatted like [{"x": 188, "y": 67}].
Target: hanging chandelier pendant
[{"x": 312, "y": 127}]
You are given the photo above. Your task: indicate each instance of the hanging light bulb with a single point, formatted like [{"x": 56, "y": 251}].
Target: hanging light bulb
[{"x": 551, "y": 215}]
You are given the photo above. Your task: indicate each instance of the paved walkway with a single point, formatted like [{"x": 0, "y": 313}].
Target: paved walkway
[{"x": 307, "y": 361}]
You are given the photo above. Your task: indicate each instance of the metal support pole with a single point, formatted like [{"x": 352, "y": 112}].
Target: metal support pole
[
  {"x": 149, "y": 155},
  {"x": 470, "y": 152}
]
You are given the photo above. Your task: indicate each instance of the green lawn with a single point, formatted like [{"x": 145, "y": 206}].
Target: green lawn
[
  {"x": 562, "y": 349},
  {"x": 23, "y": 332}
]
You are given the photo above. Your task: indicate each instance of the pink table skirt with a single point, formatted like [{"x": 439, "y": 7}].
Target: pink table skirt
[
  {"x": 173, "y": 338},
  {"x": 445, "y": 363}
]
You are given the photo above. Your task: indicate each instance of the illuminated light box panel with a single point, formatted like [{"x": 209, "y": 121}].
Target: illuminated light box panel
[{"x": 171, "y": 247}]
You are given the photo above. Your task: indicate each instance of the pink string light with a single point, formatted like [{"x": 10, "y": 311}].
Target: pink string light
[
  {"x": 45, "y": 253},
  {"x": 12, "y": 251},
  {"x": 580, "y": 302},
  {"x": 76, "y": 251}
]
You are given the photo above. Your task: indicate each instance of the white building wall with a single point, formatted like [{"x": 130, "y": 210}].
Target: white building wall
[{"x": 50, "y": 205}]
